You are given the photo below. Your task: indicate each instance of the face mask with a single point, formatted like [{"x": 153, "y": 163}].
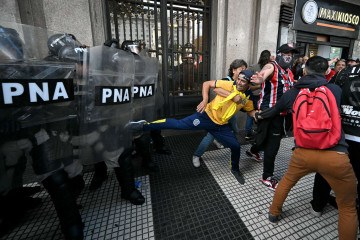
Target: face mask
[{"x": 284, "y": 61}]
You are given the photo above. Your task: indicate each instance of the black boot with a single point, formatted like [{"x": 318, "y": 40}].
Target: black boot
[
  {"x": 142, "y": 146},
  {"x": 125, "y": 177},
  {"x": 61, "y": 195},
  {"x": 159, "y": 142},
  {"x": 100, "y": 176},
  {"x": 77, "y": 184}
]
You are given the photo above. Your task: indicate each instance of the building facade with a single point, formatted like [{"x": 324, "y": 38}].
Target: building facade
[{"x": 215, "y": 31}]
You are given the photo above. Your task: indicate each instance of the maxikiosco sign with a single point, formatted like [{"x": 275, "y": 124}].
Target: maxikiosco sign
[{"x": 324, "y": 17}]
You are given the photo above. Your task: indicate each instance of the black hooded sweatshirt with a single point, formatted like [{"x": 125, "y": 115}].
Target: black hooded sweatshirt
[{"x": 286, "y": 102}]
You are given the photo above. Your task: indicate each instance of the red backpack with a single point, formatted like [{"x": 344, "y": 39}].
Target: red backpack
[{"x": 316, "y": 119}]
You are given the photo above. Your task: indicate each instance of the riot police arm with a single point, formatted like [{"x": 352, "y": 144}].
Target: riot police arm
[
  {"x": 260, "y": 77},
  {"x": 205, "y": 95}
]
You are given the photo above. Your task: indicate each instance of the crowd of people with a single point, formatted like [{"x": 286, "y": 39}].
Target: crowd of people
[
  {"x": 334, "y": 159},
  {"x": 267, "y": 91}
]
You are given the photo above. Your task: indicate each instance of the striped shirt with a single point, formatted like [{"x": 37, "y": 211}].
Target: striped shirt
[{"x": 273, "y": 88}]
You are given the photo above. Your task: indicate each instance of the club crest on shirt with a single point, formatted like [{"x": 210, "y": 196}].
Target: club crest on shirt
[{"x": 196, "y": 122}]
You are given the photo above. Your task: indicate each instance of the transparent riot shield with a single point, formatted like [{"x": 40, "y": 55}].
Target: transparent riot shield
[
  {"x": 145, "y": 84},
  {"x": 38, "y": 117},
  {"x": 38, "y": 113},
  {"x": 105, "y": 105}
]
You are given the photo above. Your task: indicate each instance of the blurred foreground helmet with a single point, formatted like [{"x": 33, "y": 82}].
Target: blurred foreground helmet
[
  {"x": 11, "y": 45},
  {"x": 131, "y": 46},
  {"x": 66, "y": 47}
]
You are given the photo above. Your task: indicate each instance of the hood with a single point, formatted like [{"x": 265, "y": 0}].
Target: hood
[{"x": 311, "y": 81}]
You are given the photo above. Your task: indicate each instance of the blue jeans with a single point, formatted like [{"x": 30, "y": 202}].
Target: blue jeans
[
  {"x": 201, "y": 121},
  {"x": 208, "y": 139},
  {"x": 248, "y": 125}
]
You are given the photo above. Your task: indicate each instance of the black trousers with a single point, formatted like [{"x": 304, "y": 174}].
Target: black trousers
[{"x": 271, "y": 144}]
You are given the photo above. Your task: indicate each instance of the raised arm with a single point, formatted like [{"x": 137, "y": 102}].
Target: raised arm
[
  {"x": 260, "y": 77},
  {"x": 205, "y": 95}
]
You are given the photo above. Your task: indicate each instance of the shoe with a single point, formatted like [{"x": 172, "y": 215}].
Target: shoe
[
  {"x": 135, "y": 197},
  {"x": 218, "y": 145},
  {"x": 196, "y": 161},
  {"x": 135, "y": 126},
  {"x": 254, "y": 156},
  {"x": 313, "y": 212},
  {"x": 274, "y": 219},
  {"x": 270, "y": 182},
  {"x": 238, "y": 176}
]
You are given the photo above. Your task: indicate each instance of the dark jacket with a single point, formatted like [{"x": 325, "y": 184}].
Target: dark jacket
[
  {"x": 287, "y": 100},
  {"x": 350, "y": 102}
]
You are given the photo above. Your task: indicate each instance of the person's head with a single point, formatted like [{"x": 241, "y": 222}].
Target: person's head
[
  {"x": 11, "y": 45},
  {"x": 316, "y": 65},
  {"x": 264, "y": 58},
  {"x": 340, "y": 65},
  {"x": 131, "y": 46},
  {"x": 236, "y": 67},
  {"x": 305, "y": 58},
  {"x": 285, "y": 56},
  {"x": 351, "y": 62},
  {"x": 243, "y": 80},
  {"x": 299, "y": 60}
]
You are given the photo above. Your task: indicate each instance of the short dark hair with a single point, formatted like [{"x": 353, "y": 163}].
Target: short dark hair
[
  {"x": 316, "y": 65},
  {"x": 235, "y": 64},
  {"x": 264, "y": 58}
]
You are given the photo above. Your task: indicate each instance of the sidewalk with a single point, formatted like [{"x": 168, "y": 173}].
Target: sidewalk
[{"x": 183, "y": 202}]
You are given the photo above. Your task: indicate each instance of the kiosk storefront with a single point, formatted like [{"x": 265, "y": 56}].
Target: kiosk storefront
[{"x": 326, "y": 28}]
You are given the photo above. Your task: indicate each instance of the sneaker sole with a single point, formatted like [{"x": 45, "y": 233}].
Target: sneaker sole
[
  {"x": 196, "y": 165},
  {"x": 313, "y": 213},
  {"x": 273, "y": 223},
  {"x": 267, "y": 186},
  {"x": 134, "y": 122}
]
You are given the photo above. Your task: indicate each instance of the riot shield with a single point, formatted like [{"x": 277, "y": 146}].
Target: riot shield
[
  {"x": 38, "y": 118},
  {"x": 36, "y": 101},
  {"x": 145, "y": 84},
  {"x": 105, "y": 105}
]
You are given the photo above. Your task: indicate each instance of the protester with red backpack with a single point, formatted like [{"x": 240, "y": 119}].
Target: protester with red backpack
[
  {"x": 316, "y": 121},
  {"x": 347, "y": 79}
]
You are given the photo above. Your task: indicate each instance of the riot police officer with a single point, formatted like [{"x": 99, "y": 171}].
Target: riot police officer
[{"x": 37, "y": 125}]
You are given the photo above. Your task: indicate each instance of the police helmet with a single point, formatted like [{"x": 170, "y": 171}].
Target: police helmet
[
  {"x": 66, "y": 47},
  {"x": 113, "y": 43},
  {"x": 11, "y": 45},
  {"x": 131, "y": 46}
]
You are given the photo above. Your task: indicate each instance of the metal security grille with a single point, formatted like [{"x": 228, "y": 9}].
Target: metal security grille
[{"x": 177, "y": 33}]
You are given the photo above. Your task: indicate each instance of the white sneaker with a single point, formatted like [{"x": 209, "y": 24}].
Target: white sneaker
[
  {"x": 313, "y": 212},
  {"x": 218, "y": 145},
  {"x": 196, "y": 161}
]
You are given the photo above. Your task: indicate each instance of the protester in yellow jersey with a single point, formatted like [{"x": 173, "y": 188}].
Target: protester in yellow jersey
[
  {"x": 221, "y": 109},
  {"x": 213, "y": 116}
]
